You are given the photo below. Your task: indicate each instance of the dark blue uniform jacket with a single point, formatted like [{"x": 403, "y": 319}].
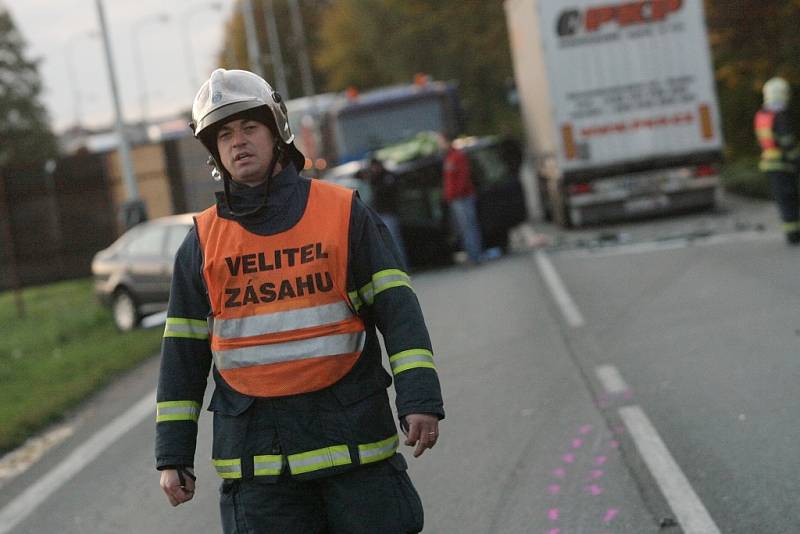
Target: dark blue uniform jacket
[{"x": 355, "y": 411}]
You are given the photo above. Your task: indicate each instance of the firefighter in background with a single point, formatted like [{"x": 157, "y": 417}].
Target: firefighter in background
[
  {"x": 281, "y": 285},
  {"x": 780, "y": 154}
]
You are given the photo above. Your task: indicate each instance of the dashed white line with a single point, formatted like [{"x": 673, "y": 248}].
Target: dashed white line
[
  {"x": 26, "y": 502},
  {"x": 686, "y": 505},
  {"x": 612, "y": 381},
  {"x": 562, "y": 297}
]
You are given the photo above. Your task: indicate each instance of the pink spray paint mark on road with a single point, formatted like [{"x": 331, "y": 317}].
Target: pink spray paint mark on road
[
  {"x": 594, "y": 489},
  {"x": 577, "y": 443},
  {"x": 585, "y": 429},
  {"x": 594, "y": 474},
  {"x": 553, "y": 514},
  {"x": 554, "y": 489},
  {"x": 559, "y": 472},
  {"x": 568, "y": 458},
  {"x": 600, "y": 460},
  {"x": 628, "y": 394},
  {"x": 619, "y": 429},
  {"x": 554, "y": 531},
  {"x": 610, "y": 515},
  {"x": 614, "y": 444}
]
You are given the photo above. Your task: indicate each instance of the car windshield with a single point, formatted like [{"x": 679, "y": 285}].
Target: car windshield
[
  {"x": 149, "y": 241},
  {"x": 175, "y": 237},
  {"x": 361, "y": 131}
]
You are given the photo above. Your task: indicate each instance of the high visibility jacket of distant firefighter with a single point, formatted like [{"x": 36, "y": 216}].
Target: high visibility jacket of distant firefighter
[
  {"x": 282, "y": 320},
  {"x": 777, "y": 155}
]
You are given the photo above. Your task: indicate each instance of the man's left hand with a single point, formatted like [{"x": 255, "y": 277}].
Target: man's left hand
[{"x": 423, "y": 431}]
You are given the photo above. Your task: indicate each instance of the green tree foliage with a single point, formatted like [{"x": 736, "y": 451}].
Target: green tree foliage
[
  {"x": 234, "y": 51},
  {"x": 368, "y": 43},
  {"x": 372, "y": 43},
  {"x": 752, "y": 40},
  {"x": 26, "y": 141}
]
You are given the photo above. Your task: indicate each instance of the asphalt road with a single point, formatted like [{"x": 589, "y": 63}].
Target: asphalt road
[
  {"x": 690, "y": 323},
  {"x": 707, "y": 339}
]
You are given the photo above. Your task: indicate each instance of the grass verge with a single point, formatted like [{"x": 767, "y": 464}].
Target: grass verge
[{"x": 62, "y": 350}]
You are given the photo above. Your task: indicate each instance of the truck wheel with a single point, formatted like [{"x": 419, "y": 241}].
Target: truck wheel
[
  {"x": 544, "y": 200},
  {"x": 558, "y": 207},
  {"x": 126, "y": 313}
]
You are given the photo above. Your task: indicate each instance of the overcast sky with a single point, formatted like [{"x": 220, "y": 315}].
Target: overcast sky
[{"x": 60, "y": 32}]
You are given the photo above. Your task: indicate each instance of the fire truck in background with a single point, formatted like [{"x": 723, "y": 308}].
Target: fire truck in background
[{"x": 619, "y": 106}]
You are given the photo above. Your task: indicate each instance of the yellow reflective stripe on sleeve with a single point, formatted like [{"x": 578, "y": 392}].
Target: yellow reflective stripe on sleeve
[
  {"x": 268, "y": 464},
  {"x": 390, "y": 278},
  {"x": 306, "y": 462},
  {"x": 177, "y": 411},
  {"x": 411, "y": 359},
  {"x": 355, "y": 300},
  {"x": 380, "y": 450},
  {"x": 381, "y": 281},
  {"x": 188, "y": 328},
  {"x": 791, "y": 226},
  {"x": 228, "y": 468}
]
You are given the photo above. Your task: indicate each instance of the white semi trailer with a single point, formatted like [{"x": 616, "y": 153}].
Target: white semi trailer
[{"x": 619, "y": 106}]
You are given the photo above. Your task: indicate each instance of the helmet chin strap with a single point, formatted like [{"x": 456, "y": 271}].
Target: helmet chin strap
[{"x": 277, "y": 152}]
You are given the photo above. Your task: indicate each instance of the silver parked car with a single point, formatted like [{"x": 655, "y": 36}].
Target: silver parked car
[{"x": 133, "y": 275}]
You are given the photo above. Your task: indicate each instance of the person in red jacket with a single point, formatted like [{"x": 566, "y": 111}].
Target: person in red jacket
[{"x": 459, "y": 193}]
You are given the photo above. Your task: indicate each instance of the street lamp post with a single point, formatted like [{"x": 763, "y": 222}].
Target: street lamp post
[
  {"x": 160, "y": 18},
  {"x": 300, "y": 38},
  {"x": 253, "y": 52},
  {"x": 134, "y": 208},
  {"x": 73, "y": 78},
  {"x": 187, "y": 38},
  {"x": 275, "y": 49}
]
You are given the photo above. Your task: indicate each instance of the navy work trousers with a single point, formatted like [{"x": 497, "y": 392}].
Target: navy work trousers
[
  {"x": 377, "y": 498},
  {"x": 787, "y": 197}
]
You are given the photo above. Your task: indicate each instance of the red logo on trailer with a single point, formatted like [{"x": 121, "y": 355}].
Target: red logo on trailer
[{"x": 572, "y": 21}]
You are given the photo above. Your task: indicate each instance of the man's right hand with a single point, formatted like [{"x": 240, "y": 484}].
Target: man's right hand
[{"x": 171, "y": 484}]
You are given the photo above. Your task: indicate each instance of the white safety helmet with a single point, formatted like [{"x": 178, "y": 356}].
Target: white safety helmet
[
  {"x": 230, "y": 92},
  {"x": 776, "y": 91}
]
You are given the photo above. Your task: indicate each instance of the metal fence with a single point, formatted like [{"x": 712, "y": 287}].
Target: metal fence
[{"x": 52, "y": 225}]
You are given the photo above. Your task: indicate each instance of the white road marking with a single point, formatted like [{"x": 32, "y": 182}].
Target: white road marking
[
  {"x": 26, "y": 502},
  {"x": 687, "y": 507},
  {"x": 565, "y": 303},
  {"x": 20, "y": 459},
  {"x": 668, "y": 244},
  {"x": 612, "y": 381}
]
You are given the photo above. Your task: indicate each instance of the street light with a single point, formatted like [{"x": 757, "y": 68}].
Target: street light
[
  {"x": 160, "y": 18},
  {"x": 187, "y": 38},
  {"x": 73, "y": 78},
  {"x": 134, "y": 209}
]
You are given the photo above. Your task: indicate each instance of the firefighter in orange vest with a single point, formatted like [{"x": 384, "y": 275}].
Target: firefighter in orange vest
[
  {"x": 780, "y": 155},
  {"x": 279, "y": 290}
]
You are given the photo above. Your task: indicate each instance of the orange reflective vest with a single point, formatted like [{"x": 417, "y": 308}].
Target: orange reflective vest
[
  {"x": 282, "y": 323},
  {"x": 772, "y": 156}
]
